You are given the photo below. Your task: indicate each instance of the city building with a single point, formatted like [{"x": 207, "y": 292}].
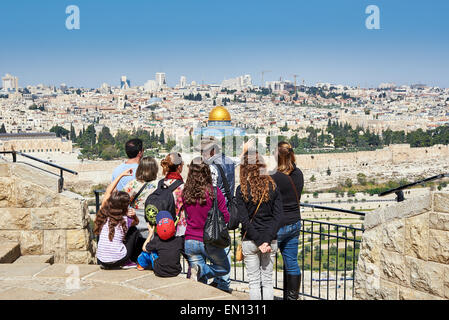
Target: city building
[
  {"x": 150, "y": 86},
  {"x": 34, "y": 142},
  {"x": 125, "y": 83},
  {"x": 160, "y": 80},
  {"x": 219, "y": 125},
  {"x": 183, "y": 82},
  {"x": 10, "y": 83}
]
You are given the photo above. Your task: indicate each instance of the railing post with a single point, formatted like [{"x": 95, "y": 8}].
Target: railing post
[
  {"x": 61, "y": 182},
  {"x": 97, "y": 200},
  {"x": 14, "y": 156}
]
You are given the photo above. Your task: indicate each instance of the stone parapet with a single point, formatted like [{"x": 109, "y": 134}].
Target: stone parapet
[
  {"x": 43, "y": 221},
  {"x": 404, "y": 252}
]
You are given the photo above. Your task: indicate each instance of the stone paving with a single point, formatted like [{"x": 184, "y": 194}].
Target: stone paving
[{"x": 43, "y": 281}]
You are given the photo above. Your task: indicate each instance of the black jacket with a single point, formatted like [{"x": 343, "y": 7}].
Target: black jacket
[
  {"x": 265, "y": 224},
  {"x": 167, "y": 264},
  {"x": 289, "y": 202}
]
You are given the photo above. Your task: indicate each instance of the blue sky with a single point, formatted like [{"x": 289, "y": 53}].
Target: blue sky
[{"x": 209, "y": 40}]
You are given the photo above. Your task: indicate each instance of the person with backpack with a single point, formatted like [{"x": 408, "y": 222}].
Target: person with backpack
[
  {"x": 140, "y": 188},
  {"x": 167, "y": 196},
  {"x": 290, "y": 181},
  {"x": 223, "y": 176},
  {"x": 198, "y": 198},
  {"x": 260, "y": 210}
]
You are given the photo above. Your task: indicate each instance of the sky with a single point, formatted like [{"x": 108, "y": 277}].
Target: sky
[{"x": 210, "y": 40}]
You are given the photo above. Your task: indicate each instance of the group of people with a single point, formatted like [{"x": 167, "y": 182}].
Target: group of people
[{"x": 132, "y": 233}]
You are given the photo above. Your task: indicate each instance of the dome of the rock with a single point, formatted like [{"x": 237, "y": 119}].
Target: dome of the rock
[{"x": 219, "y": 114}]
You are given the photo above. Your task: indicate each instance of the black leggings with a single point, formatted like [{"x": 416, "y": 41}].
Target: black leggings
[{"x": 133, "y": 244}]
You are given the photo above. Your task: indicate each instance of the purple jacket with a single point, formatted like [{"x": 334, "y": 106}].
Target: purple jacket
[{"x": 197, "y": 215}]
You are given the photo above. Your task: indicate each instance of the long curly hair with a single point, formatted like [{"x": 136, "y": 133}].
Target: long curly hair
[
  {"x": 253, "y": 173},
  {"x": 114, "y": 209},
  {"x": 198, "y": 183}
]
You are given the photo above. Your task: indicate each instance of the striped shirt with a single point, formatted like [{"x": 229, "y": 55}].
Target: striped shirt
[{"x": 111, "y": 251}]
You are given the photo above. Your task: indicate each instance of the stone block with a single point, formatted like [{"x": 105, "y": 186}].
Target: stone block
[
  {"x": 439, "y": 246},
  {"x": 393, "y": 268},
  {"x": 373, "y": 219},
  {"x": 36, "y": 259},
  {"x": 441, "y": 202},
  {"x": 446, "y": 282},
  {"x": 77, "y": 239},
  {"x": 31, "y": 242},
  {"x": 29, "y": 195},
  {"x": 393, "y": 235},
  {"x": 371, "y": 246},
  {"x": 10, "y": 235},
  {"x": 426, "y": 276},
  {"x": 4, "y": 170},
  {"x": 6, "y": 185},
  {"x": 55, "y": 244},
  {"x": 439, "y": 221},
  {"x": 417, "y": 236},
  {"x": 80, "y": 257},
  {"x": 412, "y": 294},
  {"x": 9, "y": 251},
  {"x": 409, "y": 208},
  {"x": 56, "y": 218},
  {"x": 15, "y": 219}
]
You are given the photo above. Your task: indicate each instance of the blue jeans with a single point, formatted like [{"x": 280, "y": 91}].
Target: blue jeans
[
  {"x": 198, "y": 253},
  {"x": 223, "y": 282},
  {"x": 287, "y": 237},
  {"x": 147, "y": 258}
]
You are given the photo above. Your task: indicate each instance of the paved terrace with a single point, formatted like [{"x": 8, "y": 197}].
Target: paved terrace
[{"x": 44, "y": 281}]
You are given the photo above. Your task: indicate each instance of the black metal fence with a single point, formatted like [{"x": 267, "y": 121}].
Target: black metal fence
[{"x": 327, "y": 256}]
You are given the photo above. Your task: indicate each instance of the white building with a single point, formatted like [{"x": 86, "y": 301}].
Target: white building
[
  {"x": 238, "y": 83},
  {"x": 183, "y": 82},
  {"x": 161, "y": 80},
  {"x": 10, "y": 83},
  {"x": 150, "y": 86}
]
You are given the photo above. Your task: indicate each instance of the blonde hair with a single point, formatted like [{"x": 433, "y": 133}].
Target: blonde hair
[
  {"x": 147, "y": 169},
  {"x": 286, "y": 158}
]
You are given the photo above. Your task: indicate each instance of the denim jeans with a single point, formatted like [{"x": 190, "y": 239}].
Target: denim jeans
[
  {"x": 259, "y": 267},
  {"x": 287, "y": 237},
  {"x": 198, "y": 254},
  {"x": 224, "y": 282}
]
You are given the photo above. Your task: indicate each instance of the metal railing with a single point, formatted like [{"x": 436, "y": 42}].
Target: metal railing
[
  {"x": 61, "y": 169},
  {"x": 327, "y": 256},
  {"x": 399, "y": 191}
]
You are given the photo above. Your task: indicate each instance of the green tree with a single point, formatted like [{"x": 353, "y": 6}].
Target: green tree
[{"x": 3, "y": 129}]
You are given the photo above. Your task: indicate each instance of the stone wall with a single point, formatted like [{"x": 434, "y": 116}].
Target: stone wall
[
  {"x": 405, "y": 251},
  {"x": 42, "y": 220}
]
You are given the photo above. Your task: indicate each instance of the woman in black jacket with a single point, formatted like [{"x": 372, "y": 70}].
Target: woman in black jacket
[
  {"x": 290, "y": 181},
  {"x": 260, "y": 208}
]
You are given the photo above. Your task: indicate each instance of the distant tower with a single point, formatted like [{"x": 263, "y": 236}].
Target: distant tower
[
  {"x": 124, "y": 83},
  {"x": 160, "y": 79},
  {"x": 183, "y": 82},
  {"x": 10, "y": 83}
]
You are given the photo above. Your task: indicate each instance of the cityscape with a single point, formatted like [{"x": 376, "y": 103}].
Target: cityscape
[{"x": 358, "y": 90}]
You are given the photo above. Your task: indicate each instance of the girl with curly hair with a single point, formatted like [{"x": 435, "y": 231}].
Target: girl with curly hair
[
  {"x": 115, "y": 226},
  {"x": 198, "y": 197},
  {"x": 260, "y": 208}
]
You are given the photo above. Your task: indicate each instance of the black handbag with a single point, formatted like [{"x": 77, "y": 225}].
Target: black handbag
[
  {"x": 231, "y": 202},
  {"x": 215, "y": 230}
]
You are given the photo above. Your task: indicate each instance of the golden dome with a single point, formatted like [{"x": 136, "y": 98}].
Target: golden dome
[{"x": 219, "y": 114}]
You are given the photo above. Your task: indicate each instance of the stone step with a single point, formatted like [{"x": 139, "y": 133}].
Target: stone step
[
  {"x": 9, "y": 251},
  {"x": 36, "y": 259}
]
